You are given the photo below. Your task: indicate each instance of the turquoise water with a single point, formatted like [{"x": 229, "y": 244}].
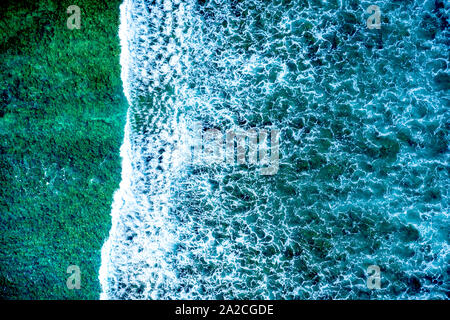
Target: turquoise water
[{"x": 363, "y": 173}]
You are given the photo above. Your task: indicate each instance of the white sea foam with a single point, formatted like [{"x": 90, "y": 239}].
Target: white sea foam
[
  {"x": 347, "y": 187},
  {"x": 143, "y": 235}
]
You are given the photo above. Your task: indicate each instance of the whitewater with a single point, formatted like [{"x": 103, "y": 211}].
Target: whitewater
[{"x": 363, "y": 173}]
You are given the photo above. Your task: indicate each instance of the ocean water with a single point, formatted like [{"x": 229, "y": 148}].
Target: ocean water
[{"x": 363, "y": 175}]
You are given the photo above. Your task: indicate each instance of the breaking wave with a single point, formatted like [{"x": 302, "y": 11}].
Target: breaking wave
[{"x": 363, "y": 177}]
